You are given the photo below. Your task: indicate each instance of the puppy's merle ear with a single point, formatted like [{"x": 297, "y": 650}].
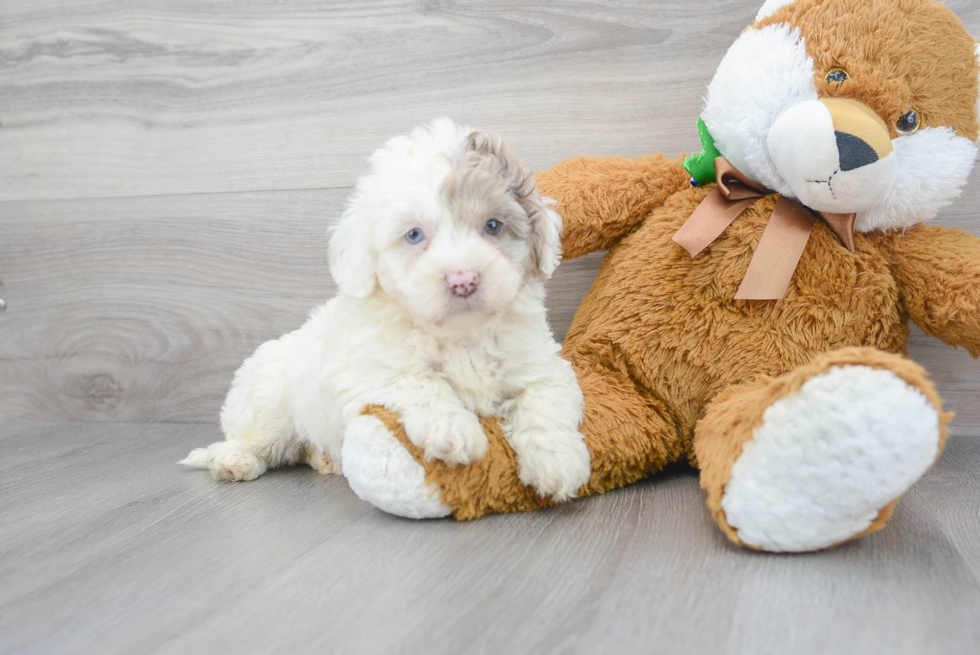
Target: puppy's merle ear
[
  {"x": 545, "y": 223},
  {"x": 351, "y": 258},
  {"x": 546, "y": 238}
]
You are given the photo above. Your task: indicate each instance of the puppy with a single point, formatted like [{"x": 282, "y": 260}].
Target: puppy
[{"x": 440, "y": 260}]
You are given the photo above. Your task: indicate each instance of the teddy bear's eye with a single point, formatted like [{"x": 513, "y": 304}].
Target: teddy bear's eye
[
  {"x": 415, "y": 235},
  {"x": 493, "y": 227},
  {"x": 908, "y": 123},
  {"x": 837, "y": 75}
]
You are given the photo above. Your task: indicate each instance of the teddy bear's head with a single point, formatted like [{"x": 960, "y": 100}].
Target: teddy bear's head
[{"x": 866, "y": 106}]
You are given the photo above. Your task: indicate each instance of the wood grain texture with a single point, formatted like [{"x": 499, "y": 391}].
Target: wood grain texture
[
  {"x": 123, "y": 98},
  {"x": 109, "y": 547},
  {"x": 166, "y": 174},
  {"x": 140, "y": 309}
]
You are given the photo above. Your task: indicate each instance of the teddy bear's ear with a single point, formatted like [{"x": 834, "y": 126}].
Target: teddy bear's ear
[{"x": 770, "y": 8}]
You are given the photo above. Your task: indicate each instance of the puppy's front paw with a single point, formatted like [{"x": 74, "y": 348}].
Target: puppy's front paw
[
  {"x": 453, "y": 435},
  {"x": 555, "y": 464}
]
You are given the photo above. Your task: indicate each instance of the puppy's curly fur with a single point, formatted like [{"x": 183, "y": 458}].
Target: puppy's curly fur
[{"x": 440, "y": 260}]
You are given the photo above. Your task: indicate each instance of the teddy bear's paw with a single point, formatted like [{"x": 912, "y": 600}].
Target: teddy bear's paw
[
  {"x": 452, "y": 434},
  {"x": 381, "y": 472},
  {"x": 828, "y": 459},
  {"x": 555, "y": 464}
]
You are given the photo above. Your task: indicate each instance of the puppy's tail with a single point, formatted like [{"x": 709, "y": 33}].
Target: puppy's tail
[{"x": 198, "y": 459}]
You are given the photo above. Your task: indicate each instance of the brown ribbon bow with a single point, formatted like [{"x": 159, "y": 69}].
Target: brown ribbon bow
[{"x": 782, "y": 242}]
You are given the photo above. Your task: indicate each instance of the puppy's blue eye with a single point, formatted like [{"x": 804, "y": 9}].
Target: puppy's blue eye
[
  {"x": 415, "y": 235},
  {"x": 493, "y": 227}
]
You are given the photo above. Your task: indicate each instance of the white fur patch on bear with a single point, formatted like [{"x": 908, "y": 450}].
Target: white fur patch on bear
[
  {"x": 827, "y": 459},
  {"x": 764, "y": 73},
  {"x": 381, "y": 471},
  {"x": 933, "y": 165}
]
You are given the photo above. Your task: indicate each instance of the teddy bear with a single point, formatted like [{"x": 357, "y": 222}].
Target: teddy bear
[{"x": 751, "y": 313}]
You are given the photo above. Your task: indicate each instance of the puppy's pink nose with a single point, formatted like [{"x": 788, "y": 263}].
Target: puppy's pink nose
[{"x": 463, "y": 283}]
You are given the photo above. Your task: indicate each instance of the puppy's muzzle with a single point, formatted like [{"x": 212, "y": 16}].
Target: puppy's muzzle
[{"x": 463, "y": 283}]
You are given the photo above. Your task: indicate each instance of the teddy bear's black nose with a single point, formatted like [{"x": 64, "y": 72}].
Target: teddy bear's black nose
[{"x": 854, "y": 152}]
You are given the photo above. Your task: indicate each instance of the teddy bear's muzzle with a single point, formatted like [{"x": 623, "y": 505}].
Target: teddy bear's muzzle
[{"x": 835, "y": 154}]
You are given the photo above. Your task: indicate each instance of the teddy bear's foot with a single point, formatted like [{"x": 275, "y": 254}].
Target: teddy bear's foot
[
  {"x": 826, "y": 461},
  {"x": 828, "y": 458},
  {"x": 382, "y": 472}
]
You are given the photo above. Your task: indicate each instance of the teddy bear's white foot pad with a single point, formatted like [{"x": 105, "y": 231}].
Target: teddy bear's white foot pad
[
  {"x": 828, "y": 459},
  {"x": 382, "y": 472}
]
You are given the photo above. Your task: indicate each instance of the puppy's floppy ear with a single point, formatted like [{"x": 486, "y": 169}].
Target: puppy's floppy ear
[
  {"x": 351, "y": 258},
  {"x": 546, "y": 238},
  {"x": 545, "y": 223}
]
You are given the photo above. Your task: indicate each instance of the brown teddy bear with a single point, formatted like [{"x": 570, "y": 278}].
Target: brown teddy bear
[{"x": 751, "y": 313}]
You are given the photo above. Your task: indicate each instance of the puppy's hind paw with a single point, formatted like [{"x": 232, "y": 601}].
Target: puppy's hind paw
[
  {"x": 229, "y": 461},
  {"x": 321, "y": 462},
  {"x": 454, "y": 435},
  {"x": 556, "y": 468}
]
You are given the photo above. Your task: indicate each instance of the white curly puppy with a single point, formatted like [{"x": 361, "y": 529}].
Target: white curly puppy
[{"x": 440, "y": 260}]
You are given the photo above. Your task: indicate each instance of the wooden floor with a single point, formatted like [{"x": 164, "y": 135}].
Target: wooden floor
[
  {"x": 167, "y": 171},
  {"x": 107, "y": 546}
]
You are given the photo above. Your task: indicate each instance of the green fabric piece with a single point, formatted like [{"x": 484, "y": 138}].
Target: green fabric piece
[{"x": 702, "y": 166}]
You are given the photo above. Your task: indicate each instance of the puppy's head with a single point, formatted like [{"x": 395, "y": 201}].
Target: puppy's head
[{"x": 449, "y": 223}]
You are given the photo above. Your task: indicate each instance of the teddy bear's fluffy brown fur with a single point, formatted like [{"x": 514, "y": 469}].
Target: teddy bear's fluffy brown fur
[
  {"x": 671, "y": 366},
  {"x": 654, "y": 359}
]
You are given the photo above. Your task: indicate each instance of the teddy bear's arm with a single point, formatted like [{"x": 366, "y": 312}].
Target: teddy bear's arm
[
  {"x": 600, "y": 199},
  {"x": 938, "y": 273}
]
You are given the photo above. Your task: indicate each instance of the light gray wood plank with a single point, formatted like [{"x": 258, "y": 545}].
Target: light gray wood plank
[
  {"x": 107, "y": 546},
  {"x": 947, "y": 491},
  {"x": 124, "y": 98},
  {"x": 141, "y": 309}
]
